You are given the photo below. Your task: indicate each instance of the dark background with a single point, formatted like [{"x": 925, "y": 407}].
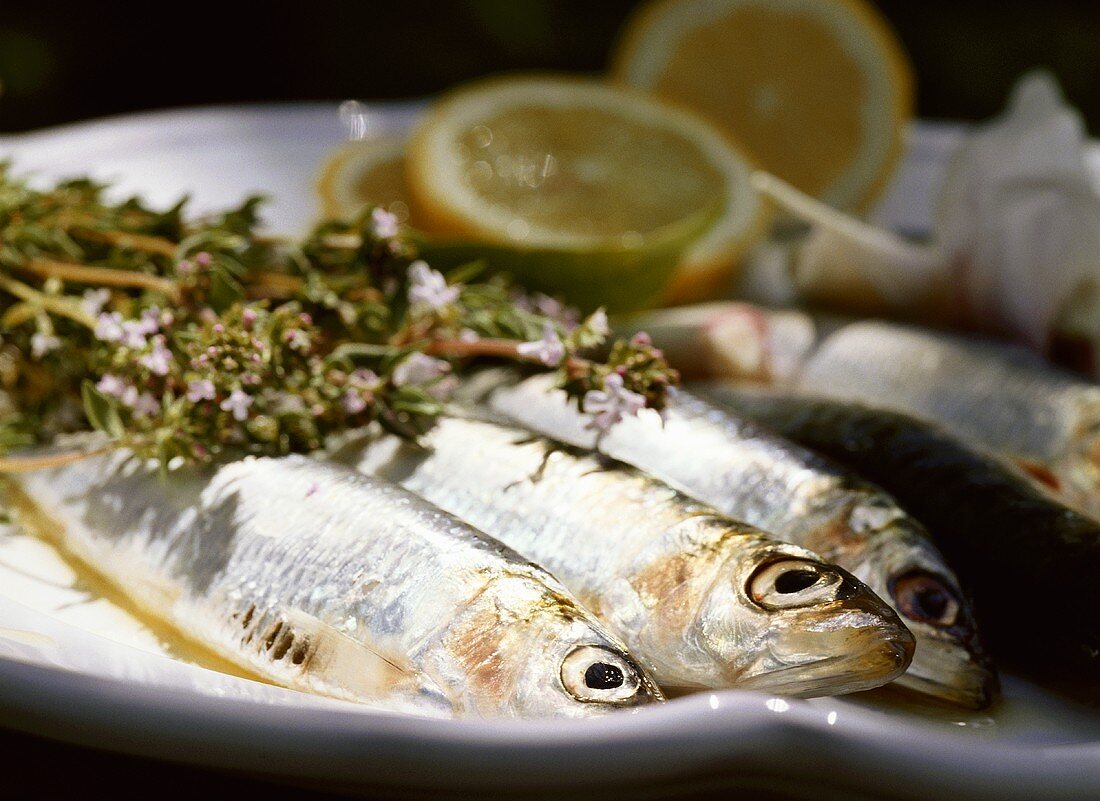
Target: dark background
[{"x": 61, "y": 62}]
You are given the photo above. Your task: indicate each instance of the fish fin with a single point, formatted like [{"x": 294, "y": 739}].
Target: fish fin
[
  {"x": 355, "y": 665},
  {"x": 544, "y": 461}
]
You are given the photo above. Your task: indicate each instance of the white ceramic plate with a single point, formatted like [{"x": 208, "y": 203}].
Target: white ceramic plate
[{"x": 73, "y": 666}]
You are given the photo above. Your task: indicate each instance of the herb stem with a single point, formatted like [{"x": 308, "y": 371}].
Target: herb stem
[
  {"x": 275, "y": 285},
  {"x": 102, "y": 276},
  {"x": 575, "y": 366},
  {"x": 58, "y": 306},
  {"x": 143, "y": 242},
  {"x": 460, "y": 349},
  {"x": 27, "y": 464}
]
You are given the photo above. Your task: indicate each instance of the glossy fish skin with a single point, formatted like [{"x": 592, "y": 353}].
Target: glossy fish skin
[
  {"x": 1006, "y": 399},
  {"x": 324, "y": 580},
  {"x": 1031, "y": 562},
  {"x": 751, "y": 474},
  {"x": 701, "y": 600}
]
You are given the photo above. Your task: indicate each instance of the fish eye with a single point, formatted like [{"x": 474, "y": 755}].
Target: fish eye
[
  {"x": 926, "y": 598},
  {"x": 592, "y": 674},
  {"x": 795, "y": 580},
  {"x": 602, "y": 676},
  {"x": 788, "y": 583}
]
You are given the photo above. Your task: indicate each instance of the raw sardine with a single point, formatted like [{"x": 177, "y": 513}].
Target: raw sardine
[
  {"x": 1005, "y": 398},
  {"x": 321, "y": 579},
  {"x": 1031, "y": 562},
  {"x": 751, "y": 474},
  {"x": 703, "y": 601}
]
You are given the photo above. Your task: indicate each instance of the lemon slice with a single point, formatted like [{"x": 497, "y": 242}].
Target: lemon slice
[
  {"x": 819, "y": 91},
  {"x": 618, "y": 277},
  {"x": 361, "y": 173},
  {"x": 563, "y": 164}
]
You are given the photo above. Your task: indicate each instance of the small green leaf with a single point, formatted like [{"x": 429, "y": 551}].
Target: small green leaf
[
  {"x": 225, "y": 290},
  {"x": 101, "y": 411},
  {"x": 363, "y": 350},
  {"x": 394, "y": 356},
  {"x": 464, "y": 273}
]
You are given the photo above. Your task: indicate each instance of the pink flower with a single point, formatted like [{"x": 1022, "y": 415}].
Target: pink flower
[
  {"x": 238, "y": 403},
  {"x": 133, "y": 334},
  {"x": 353, "y": 402},
  {"x": 41, "y": 344},
  {"x": 111, "y": 385},
  {"x": 549, "y": 350},
  {"x": 548, "y": 306},
  {"x": 149, "y": 323},
  {"x": 418, "y": 369},
  {"x": 200, "y": 390},
  {"x": 108, "y": 327},
  {"x": 145, "y": 405},
  {"x": 611, "y": 404},
  {"x": 428, "y": 287},
  {"x": 522, "y": 301},
  {"x": 203, "y": 259},
  {"x": 159, "y": 360},
  {"x": 383, "y": 225},
  {"x": 297, "y": 339},
  {"x": 597, "y": 323},
  {"x": 94, "y": 300}
]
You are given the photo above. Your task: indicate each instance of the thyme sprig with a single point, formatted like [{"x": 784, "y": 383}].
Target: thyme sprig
[{"x": 181, "y": 338}]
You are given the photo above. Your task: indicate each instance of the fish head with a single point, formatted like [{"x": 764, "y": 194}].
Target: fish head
[
  {"x": 524, "y": 647},
  {"x": 780, "y": 619},
  {"x": 901, "y": 565}
]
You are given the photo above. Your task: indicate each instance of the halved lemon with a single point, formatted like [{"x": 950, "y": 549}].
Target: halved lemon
[
  {"x": 819, "y": 91},
  {"x": 570, "y": 164},
  {"x": 366, "y": 172}
]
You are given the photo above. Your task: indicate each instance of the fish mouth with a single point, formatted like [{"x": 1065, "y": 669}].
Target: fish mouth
[
  {"x": 829, "y": 637},
  {"x": 835, "y": 654},
  {"x": 948, "y": 672},
  {"x": 950, "y": 664},
  {"x": 838, "y": 674}
]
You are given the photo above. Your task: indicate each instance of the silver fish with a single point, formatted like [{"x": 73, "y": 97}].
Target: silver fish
[
  {"x": 703, "y": 601},
  {"x": 1007, "y": 399},
  {"x": 999, "y": 532},
  {"x": 756, "y": 476},
  {"x": 324, "y": 580}
]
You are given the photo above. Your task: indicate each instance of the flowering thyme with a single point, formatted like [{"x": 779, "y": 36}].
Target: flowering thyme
[
  {"x": 611, "y": 404},
  {"x": 549, "y": 350},
  {"x": 183, "y": 339},
  {"x": 428, "y": 287}
]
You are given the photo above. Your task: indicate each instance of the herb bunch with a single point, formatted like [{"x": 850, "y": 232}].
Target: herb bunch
[{"x": 181, "y": 338}]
